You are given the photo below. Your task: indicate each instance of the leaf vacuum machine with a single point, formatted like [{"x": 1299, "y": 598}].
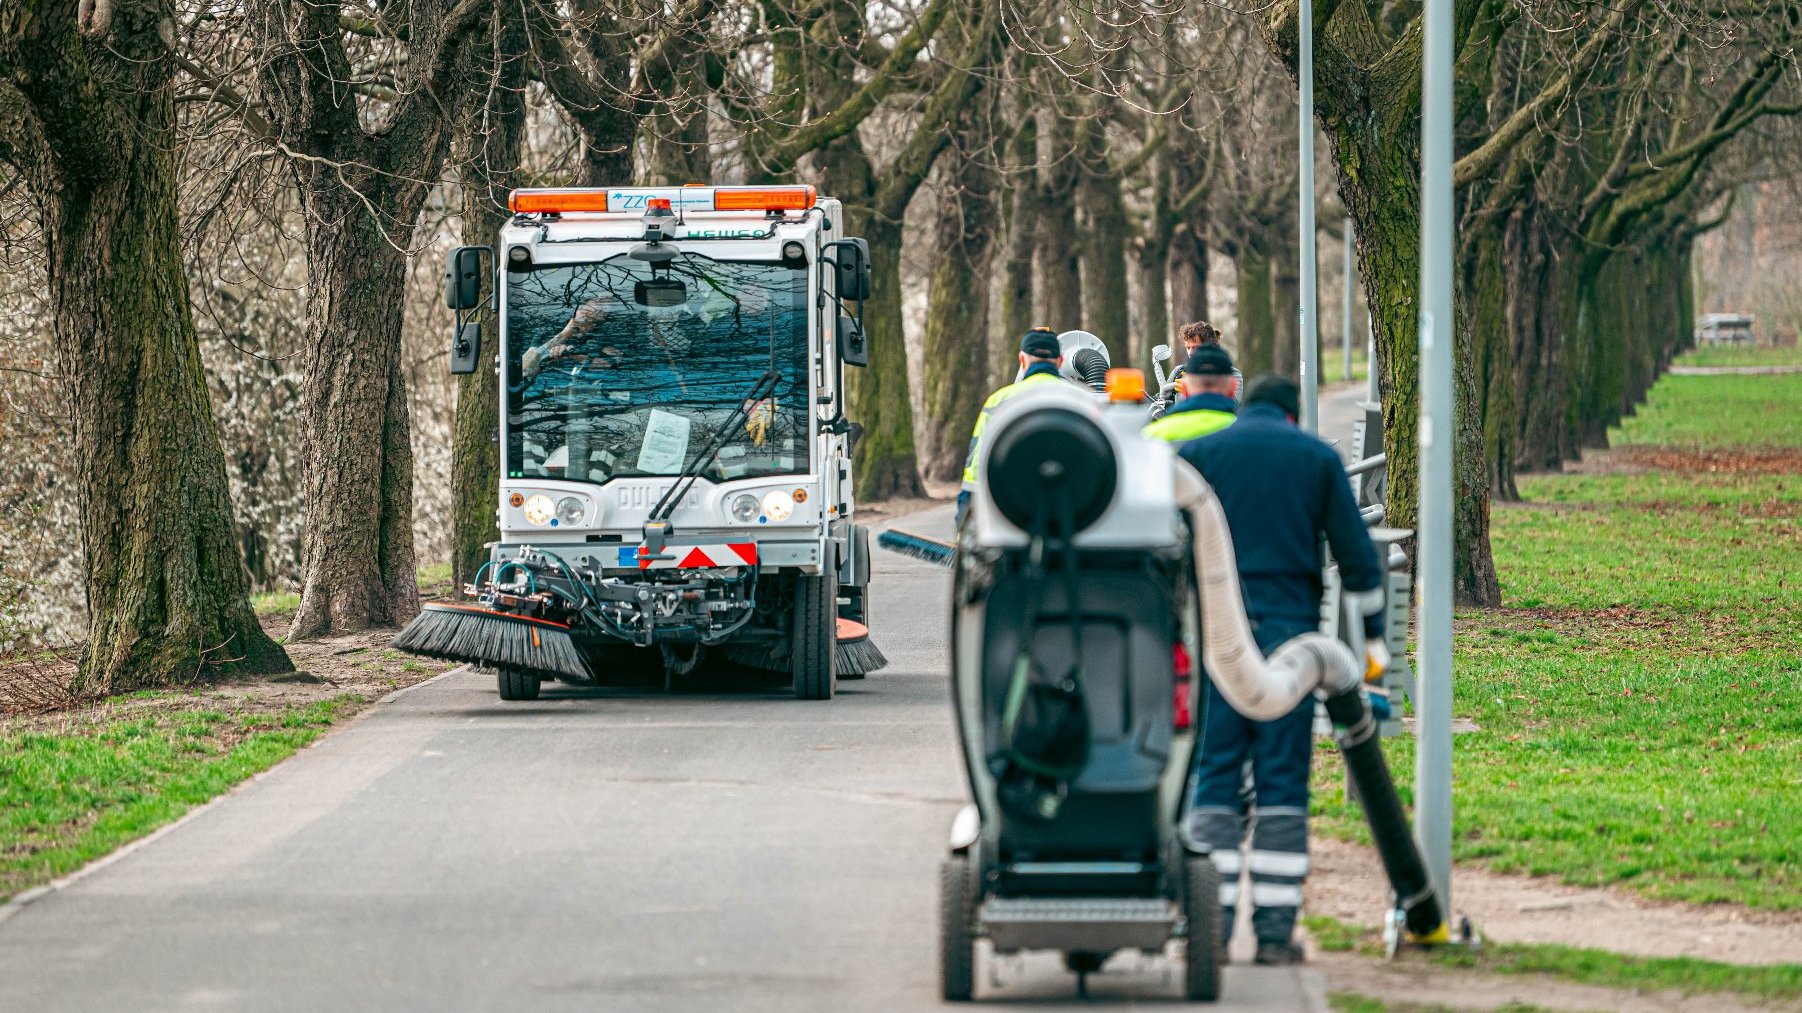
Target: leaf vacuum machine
[{"x": 1088, "y": 552}]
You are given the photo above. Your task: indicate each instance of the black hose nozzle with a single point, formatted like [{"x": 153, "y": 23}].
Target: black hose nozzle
[{"x": 1356, "y": 732}]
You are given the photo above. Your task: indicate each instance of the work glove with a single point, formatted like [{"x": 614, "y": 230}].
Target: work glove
[{"x": 1376, "y": 659}]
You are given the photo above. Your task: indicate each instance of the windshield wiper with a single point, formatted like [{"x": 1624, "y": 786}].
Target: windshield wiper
[{"x": 657, "y": 527}]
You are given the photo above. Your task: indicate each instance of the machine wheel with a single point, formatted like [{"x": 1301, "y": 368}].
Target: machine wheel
[
  {"x": 957, "y": 940},
  {"x": 518, "y": 684},
  {"x": 1201, "y": 909},
  {"x": 813, "y": 636}
]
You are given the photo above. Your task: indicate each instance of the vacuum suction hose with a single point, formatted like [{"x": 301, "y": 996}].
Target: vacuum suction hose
[
  {"x": 1265, "y": 689},
  {"x": 1259, "y": 688},
  {"x": 1091, "y": 365}
]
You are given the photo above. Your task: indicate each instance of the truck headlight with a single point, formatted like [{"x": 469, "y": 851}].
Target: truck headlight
[
  {"x": 571, "y": 511},
  {"x": 778, "y": 506},
  {"x": 744, "y": 508},
  {"x": 538, "y": 510}
]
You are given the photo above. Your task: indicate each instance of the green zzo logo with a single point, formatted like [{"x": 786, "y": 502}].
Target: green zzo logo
[{"x": 723, "y": 234}]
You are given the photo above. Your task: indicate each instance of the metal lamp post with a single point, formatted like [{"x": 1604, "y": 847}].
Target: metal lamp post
[
  {"x": 1310, "y": 334},
  {"x": 1433, "y": 770}
]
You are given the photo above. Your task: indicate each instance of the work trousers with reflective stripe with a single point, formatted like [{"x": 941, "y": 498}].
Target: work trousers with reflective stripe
[{"x": 1271, "y": 810}]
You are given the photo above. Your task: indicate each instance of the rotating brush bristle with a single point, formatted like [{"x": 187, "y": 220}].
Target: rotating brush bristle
[{"x": 479, "y": 636}]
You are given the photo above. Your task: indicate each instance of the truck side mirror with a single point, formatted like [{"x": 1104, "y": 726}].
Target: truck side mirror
[
  {"x": 463, "y": 278},
  {"x": 853, "y": 348},
  {"x": 853, "y": 257},
  {"x": 466, "y": 348}
]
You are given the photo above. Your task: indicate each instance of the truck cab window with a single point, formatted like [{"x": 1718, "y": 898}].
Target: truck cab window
[{"x": 602, "y": 386}]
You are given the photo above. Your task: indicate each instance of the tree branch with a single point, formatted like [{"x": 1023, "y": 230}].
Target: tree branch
[
  {"x": 221, "y": 91},
  {"x": 933, "y": 133},
  {"x": 1524, "y": 119},
  {"x": 819, "y": 132}
]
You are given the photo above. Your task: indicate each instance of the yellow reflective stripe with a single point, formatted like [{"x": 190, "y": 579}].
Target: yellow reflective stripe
[
  {"x": 982, "y": 418},
  {"x": 1192, "y": 425}
]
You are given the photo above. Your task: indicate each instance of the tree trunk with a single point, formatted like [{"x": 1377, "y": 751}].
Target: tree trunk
[
  {"x": 1285, "y": 309},
  {"x": 1020, "y": 201},
  {"x": 956, "y": 350},
  {"x": 357, "y": 554},
  {"x": 167, "y": 592},
  {"x": 1154, "y": 314},
  {"x": 1532, "y": 320},
  {"x": 1188, "y": 273},
  {"x": 1059, "y": 248},
  {"x": 675, "y": 137},
  {"x": 1383, "y": 200},
  {"x": 1370, "y": 111},
  {"x": 1485, "y": 286},
  {"x": 1257, "y": 328},
  {"x": 1105, "y": 304},
  {"x": 498, "y": 138},
  {"x": 886, "y": 464}
]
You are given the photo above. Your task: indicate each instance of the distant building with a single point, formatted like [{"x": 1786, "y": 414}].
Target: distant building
[{"x": 1716, "y": 329}]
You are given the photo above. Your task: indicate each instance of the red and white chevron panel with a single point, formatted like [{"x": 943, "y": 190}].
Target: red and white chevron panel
[{"x": 688, "y": 557}]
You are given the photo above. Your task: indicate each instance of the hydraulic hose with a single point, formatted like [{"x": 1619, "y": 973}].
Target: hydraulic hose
[{"x": 1265, "y": 689}]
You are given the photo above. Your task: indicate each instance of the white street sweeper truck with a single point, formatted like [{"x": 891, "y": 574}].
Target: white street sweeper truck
[{"x": 675, "y": 457}]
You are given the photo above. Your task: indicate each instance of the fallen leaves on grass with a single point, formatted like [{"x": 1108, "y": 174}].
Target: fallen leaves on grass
[{"x": 1746, "y": 461}]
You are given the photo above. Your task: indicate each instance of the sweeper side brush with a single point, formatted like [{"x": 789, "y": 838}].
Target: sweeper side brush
[
  {"x": 918, "y": 546},
  {"x": 478, "y": 636},
  {"x": 856, "y": 655}
]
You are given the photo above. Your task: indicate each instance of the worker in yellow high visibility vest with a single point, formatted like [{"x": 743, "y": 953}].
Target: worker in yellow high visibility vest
[
  {"x": 1040, "y": 359},
  {"x": 1207, "y": 404}
]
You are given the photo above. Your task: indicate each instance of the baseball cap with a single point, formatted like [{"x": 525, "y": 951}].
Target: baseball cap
[
  {"x": 1041, "y": 343},
  {"x": 1209, "y": 360}
]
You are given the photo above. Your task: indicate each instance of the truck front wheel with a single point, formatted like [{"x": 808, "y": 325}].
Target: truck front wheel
[{"x": 814, "y": 636}]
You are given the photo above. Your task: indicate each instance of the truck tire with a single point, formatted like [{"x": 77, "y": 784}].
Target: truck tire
[
  {"x": 813, "y": 636},
  {"x": 518, "y": 684},
  {"x": 1201, "y": 948},
  {"x": 957, "y": 939}
]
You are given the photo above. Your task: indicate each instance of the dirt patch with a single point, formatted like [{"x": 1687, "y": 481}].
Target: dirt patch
[
  {"x": 1741, "y": 461},
  {"x": 1348, "y": 884},
  {"x": 1411, "y": 981},
  {"x": 33, "y": 694},
  {"x": 889, "y": 509}
]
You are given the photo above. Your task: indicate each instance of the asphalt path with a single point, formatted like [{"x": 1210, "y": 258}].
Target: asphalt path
[{"x": 730, "y": 848}]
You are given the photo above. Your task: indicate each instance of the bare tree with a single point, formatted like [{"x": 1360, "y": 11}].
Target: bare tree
[{"x": 87, "y": 119}]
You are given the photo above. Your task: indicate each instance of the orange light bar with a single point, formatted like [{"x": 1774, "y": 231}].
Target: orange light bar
[
  {"x": 775, "y": 198},
  {"x": 535, "y": 202},
  {"x": 1126, "y": 385}
]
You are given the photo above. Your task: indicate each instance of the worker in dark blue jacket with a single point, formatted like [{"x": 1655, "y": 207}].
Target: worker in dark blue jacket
[{"x": 1282, "y": 491}]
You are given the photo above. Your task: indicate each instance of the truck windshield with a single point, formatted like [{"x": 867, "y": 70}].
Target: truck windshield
[{"x": 601, "y": 385}]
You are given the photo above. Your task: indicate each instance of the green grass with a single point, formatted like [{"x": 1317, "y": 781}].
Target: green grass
[
  {"x": 1350, "y": 1002},
  {"x": 1708, "y": 412},
  {"x": 1790, "y": 355},
  {"x": 1639, "y": 699},
  {"x": 1775, "y": 982},
  {"x": 68, "y": 796},
  {"x": 275, "y": 603}
]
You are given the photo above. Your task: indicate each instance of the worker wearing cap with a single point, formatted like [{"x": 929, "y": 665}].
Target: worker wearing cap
[
  {"x": 1207, "y": 404},
  {"x": 1040, "y": 359},
  {"x": 1193, "y": 336},
  {"x": 1282, "y": 490}
]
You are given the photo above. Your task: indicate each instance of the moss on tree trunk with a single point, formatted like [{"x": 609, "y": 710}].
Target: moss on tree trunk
[
  {"x": 1106, "y": 307},
  {"x": 496, "y": 140},
  {"x": 956, "y": 360},
  {"x": 357, "y": 550},
  {"x": 91, "y": 126},
  {"x": 1257, "y": 329}
]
